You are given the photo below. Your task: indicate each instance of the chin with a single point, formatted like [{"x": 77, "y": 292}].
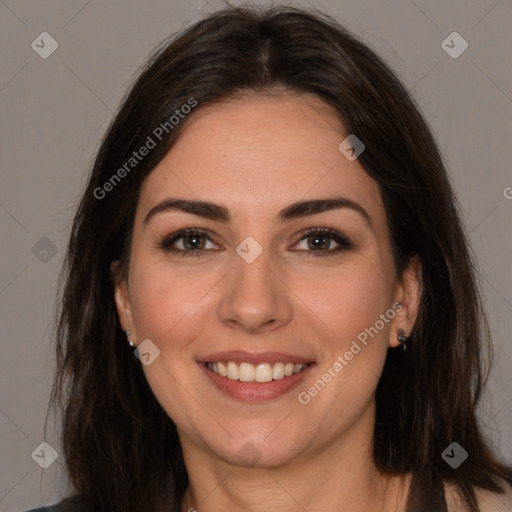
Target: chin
[{"x": 254, "y": 450}]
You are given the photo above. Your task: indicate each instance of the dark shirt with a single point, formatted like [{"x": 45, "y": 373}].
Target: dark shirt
[{"x": 72, "y": 504}]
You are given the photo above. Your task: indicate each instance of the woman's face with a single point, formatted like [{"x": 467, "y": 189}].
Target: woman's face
[{"x": 292, "y": 266}]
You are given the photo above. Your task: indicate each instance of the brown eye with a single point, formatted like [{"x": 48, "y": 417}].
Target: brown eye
[
  {"x": 319, "y": 242},
  {"x": 188, "y": 242},
  {"x": 323, "y": 242},
  {"x": 193, "y": 242}
]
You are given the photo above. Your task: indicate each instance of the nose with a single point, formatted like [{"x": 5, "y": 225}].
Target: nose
[{"x": 255, "y": 300}]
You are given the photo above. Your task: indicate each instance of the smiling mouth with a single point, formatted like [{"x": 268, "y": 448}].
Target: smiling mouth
[{"x": 263, "y": 372}]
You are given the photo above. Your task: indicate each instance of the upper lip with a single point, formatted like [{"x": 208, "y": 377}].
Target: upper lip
[{"x": 239, "y": 356}]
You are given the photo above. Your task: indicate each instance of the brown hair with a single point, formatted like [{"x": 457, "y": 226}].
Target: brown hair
[{"x": 121, "y": 449}]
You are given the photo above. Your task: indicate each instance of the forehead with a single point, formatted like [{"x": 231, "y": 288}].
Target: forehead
[{"x": 260, "y": 152}]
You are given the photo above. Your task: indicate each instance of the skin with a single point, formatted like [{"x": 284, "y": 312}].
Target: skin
[{"x": 255, "y": 156}]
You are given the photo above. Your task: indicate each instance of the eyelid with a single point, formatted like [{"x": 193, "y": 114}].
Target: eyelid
[
  {"x": 343, "y": 241},
  {"x": 166, "y": 243}
]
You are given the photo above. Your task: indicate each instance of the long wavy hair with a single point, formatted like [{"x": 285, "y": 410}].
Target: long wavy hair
[{"x": 121, "y": 450}]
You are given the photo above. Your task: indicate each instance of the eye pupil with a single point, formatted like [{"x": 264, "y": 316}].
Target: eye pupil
[
  {"x": 317, "y": 242},
  {"x": 193, "y": 242}
]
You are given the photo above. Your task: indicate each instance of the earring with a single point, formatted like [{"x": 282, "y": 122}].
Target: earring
[
  {"x": 402, "y": 338},
  {"x": 130, "y": 342}
]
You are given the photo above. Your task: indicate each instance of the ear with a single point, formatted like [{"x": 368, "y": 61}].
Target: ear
[
  {"x": 122, "y": 299},
  {"x": 408, "y": 294}
]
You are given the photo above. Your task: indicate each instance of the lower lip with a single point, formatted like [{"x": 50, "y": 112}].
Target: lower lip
[{"x": 255, "y": 391}]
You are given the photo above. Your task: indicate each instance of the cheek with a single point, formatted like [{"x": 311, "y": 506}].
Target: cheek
[
  {"x": 348, "y": 304},
  {"x": 169, "y": 309},
  {"x": 165, "y": 302},
  {"x": 354, "y": 346},
  {"x": 350, "y": 298}
]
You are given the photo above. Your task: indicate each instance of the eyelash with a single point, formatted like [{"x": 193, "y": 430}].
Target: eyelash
[{"x": 342, "y": 241}]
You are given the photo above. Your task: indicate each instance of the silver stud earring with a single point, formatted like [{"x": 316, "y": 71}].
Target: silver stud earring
[
  {"x": 402, "y": 338},
  {"x": 130, "y": 342}
]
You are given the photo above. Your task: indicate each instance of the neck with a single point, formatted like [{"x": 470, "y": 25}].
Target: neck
[{"x": 338, "y": 476}]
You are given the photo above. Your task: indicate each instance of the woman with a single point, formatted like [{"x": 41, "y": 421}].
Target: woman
[{"x": 270, "y": 226}]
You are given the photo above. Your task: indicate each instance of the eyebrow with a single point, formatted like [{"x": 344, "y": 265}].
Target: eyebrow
[{"x": 217, "y": 212}]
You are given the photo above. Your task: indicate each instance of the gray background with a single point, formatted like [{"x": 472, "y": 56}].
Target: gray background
[{"x": 55, "y": 110}]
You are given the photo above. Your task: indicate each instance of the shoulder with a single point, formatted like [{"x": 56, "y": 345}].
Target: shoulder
[
  {"x": 492, "y": 502},
  {"x": 487, "y": 501},
  {"x": 72, "y": 504}
]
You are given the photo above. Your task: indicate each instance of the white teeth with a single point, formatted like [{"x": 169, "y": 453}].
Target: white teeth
[
  {"x": 263, "y": 372},
  {"x": 232, "y": 371},
  {"x": 278, "y": 371},
  {"x": 246, "y": 372},
  {"x": 221, "y": 369}
]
